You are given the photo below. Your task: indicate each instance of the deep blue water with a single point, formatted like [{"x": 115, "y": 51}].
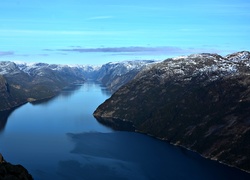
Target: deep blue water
[{"x": 60, "y": 139}]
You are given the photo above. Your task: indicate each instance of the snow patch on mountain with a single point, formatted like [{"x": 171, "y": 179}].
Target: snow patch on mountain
[
  {"x": 7, "y": 67},
  {"x": 203, "y": 65},
  {"x": 239, "y": 56},
  {"x": 29, "y": 67}
]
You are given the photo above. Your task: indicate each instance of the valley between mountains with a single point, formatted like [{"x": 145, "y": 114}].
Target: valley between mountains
[{"x": 200, "y": 102}]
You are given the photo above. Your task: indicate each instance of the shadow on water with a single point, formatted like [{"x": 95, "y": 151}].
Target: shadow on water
[
  {"x": 43, "y": 101},
  {"x": 66, "y": 92},
  {"x": 4, "y": 118},
  {"x": 126, "y": 155},
  {"x": 105, "y": 91}
]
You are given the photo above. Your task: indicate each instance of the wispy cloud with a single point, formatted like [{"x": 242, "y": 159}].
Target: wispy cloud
[
  {"x": 137, "y": 50},
  {"x": 43, "y": 54},
  {"x": 6, "y": 53},
  {"x": 120, "y": 49}
]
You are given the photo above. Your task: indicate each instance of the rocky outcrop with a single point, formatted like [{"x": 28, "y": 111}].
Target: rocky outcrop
[
  {"x": 200, "y": 102},
  {"x": 13, "y": 172}
]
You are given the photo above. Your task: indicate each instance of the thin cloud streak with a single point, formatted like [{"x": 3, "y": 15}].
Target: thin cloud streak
[
  {"x": 138, "y": 50},
  {"x": 54, "y": 32},
  {"x": 6, "y": 53},
  {"x": 121, "y": 49},
  {"x": 135, "y": 49}
]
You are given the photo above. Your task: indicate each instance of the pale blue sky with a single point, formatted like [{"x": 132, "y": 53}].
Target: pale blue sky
[{"x": 100, "y": 31}]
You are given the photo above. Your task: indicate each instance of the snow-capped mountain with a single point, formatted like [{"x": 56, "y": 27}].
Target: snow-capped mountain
[
  {"x": 211, "y": 66},
  {"x": 243, "y": 56},
  {"x": 201, "y": 102},
  {"x": 115, "y": 74},
  {"x": 7, "y": 67},
  {"x": 33, "y": 69}
]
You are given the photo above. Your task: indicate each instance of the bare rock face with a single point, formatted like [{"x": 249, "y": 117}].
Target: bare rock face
[
  {"x": 13, "y": 172},
  {"x": 201, "y": 102}
]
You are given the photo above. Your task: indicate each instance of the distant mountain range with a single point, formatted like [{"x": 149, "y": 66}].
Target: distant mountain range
[
  {"x": 200, "y": 102},
  {"x": 23, "y": 82}
]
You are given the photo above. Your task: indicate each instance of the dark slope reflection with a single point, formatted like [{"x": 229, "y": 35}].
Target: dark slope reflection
[
  {"x": 4, "y": 118},
  {"x": 66, "y": 92}
]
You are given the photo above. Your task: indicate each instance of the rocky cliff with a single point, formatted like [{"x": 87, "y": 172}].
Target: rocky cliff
[
  {"x": 13, "y": 172},
  {"x": 200, "y": 102}
]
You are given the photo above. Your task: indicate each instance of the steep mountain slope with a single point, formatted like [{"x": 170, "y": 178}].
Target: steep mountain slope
[
  {"x": 9, "y": 92},
  {"x": 114, "y": 75},
  {"x": 201, "y": 102}
]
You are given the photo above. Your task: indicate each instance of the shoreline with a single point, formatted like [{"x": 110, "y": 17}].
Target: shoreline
[{"x": 13, "y": 107}]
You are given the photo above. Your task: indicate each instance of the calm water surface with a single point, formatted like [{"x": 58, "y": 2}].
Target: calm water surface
[{"x": 60, "y": 139}]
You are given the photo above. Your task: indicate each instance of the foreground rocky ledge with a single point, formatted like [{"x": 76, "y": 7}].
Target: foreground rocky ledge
[
  {"x": 200, "y": 102},
  {"x": 13, "y": 172}
]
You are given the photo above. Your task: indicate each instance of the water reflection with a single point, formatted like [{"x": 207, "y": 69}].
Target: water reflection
[
  {"x": 43, "y": 101},
  {"x": 66, "y": 92},
  {"x": 105, "y": 91},
  {"x": 70, "y": 90},
  {"x": 4, "y": 118}
]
